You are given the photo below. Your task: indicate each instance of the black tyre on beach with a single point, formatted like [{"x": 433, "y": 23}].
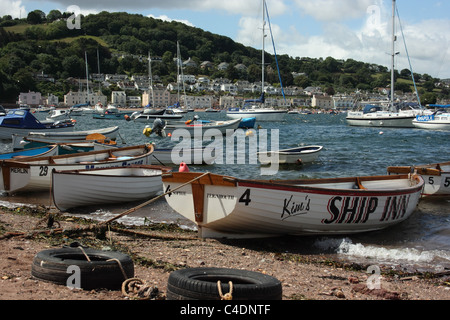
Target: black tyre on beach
[
  {"x": 93, "y": 269},
  {"x": 216, "y": 283}
]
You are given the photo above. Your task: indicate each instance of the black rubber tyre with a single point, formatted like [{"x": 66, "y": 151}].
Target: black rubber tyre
[
  {"x": 52, "y": 265},
  {"x": 201, "y": 284}
]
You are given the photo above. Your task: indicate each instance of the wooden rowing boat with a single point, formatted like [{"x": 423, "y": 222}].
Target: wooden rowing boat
[
  {"x": 79, "y": 188},
  {"x": 436, "y": 176},
  {"x": 227, "y": 207},
  {"x": 37, "y": 170}
]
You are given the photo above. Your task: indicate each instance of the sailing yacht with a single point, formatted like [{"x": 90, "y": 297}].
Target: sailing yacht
[
  {"x": 400, "y": 116},
  {"x": 256, "y": 108}
]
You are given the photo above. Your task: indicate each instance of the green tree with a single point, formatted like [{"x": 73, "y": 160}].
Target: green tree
[
  {"x": 54, "y": 15},
  {"x": 74, "y": 66},
  {"x": 428, "y": 98},
  {"x": 36, "y": 17}
]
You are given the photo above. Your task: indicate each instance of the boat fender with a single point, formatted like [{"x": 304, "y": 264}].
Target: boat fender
[
  {"x": 183, "y": 167},
  {"x": 127, "y": 117},
  {"x": 147, "y": 131}
]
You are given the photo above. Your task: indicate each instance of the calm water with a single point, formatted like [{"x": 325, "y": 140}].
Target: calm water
[{"x": 422, "y": 242}]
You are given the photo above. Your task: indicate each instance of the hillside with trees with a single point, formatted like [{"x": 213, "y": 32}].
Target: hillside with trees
[{"x": 43, "y": 44}]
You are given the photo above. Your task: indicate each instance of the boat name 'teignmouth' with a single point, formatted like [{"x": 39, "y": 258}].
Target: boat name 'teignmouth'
[{"x": 350, "y": 209}]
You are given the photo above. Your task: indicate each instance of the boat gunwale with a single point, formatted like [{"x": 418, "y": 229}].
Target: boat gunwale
[
  {"x": 295, "y": 151},
  {"x": 149, "y": 147},
  {"x": 305, "y": 185},
  {"x": 93, "y": 172}
]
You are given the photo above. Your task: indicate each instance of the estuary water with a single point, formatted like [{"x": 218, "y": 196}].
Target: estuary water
[{"x": 420, "y": 243}]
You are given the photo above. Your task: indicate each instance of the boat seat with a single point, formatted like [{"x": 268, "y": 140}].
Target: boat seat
[{"x": 358, "y": 185}]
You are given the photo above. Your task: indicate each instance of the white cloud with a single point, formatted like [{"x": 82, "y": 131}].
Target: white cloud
[
  {"x": 166, "y": 18},
  {"x": 13, "y": 8},
  {"x": 332, "y": 10},
  {"x": 427, "y": 44}
]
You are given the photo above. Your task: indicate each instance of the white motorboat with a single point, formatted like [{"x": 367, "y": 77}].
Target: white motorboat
[
  {"x": 195, "y": 128},
  {"x": 22, "y": 121},
  {"x": 439, "y": 120}
]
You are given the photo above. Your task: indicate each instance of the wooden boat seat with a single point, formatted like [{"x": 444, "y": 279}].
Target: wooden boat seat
[{"x": 358, "y": 184}]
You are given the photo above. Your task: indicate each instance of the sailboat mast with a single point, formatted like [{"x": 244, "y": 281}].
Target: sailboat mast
[
  {"x": 263, "y": 43},
  {"x": 150, "y": 78},
  {"x": 394, "y": 38},
  {"x": 98, "y": 70},
  {"x": 87, "y": 77}
]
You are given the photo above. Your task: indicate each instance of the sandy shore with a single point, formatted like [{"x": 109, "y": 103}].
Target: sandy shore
[{"x": 159, "y": 250}]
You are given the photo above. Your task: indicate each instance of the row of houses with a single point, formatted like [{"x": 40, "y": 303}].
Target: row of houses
[{"x": 161, "y": 97}]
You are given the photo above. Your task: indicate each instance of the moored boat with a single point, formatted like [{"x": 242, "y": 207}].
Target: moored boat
[
  {"x": 193, "y": 128},
  {"x": 174, "y": 156},
  {"x": 439, "y": 120},
  {"x": 228, "y": 207},
  {"x": 79, "y": 188},
  {"x": 48, "y": 150},
  {"x": 22, "y": 121},
  {"x": 19, "y": 141},
  {"x": 166, "y": 114},
  {"x": 298, "y": 155},
  {"x": 255, "y": 109},
  {"x": 37, "y": 170},
  {"x": 436, "y": 176}
]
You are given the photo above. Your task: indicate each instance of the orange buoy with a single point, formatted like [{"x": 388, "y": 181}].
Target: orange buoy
[{"x": 183, "y": 167}]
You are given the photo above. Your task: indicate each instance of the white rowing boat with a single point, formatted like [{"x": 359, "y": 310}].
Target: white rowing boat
[
  {"x": 436, "y": 176},
  {"x": 227, "y": 207},
  {"x": 299, "y": 155},
  {"x": 19, "y": 140},
  {"x": 79, "y": 188},
  {"x": 35, "y": 173}
]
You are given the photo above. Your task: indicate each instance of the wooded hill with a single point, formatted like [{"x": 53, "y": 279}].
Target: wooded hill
[{"x": 43, "y": 44}]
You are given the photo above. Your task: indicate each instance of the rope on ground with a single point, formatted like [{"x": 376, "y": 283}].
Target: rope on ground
[
  {"x": 127, "y": 212},
  {"x": 135, "y": 288}
]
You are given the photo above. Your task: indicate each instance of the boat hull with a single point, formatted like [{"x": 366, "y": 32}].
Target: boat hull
[
  {"x": 433, "y": 122},
  {"x": 168, "y": 157},
  {"x": 79, "y": 188},
  {"x": 42, "y": 151},
  {"x": 148, "y": 118},
  {"x": 55, "y": 137},
  {"x": 232, "y": 208},
  {"x": 432, "y": 125},
  {"x": 389, "y": 120},
  {"x": 436, "y": 176},
  {"x": 39, "y": 170},
  {"x": 198, "y": 130},
  {"x": 259, "y": 115},
  {"x": 7, "y": 133},
  {"x": 298, "y": 155}
]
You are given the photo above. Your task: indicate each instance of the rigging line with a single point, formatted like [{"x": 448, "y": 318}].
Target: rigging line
[
  {"x": 407, "y": 54},
  {"x": 275, "y": 51}
]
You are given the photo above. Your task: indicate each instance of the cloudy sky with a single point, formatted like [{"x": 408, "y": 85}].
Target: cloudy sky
[{"x": 342, "y": 29}]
